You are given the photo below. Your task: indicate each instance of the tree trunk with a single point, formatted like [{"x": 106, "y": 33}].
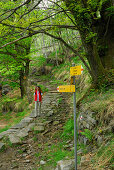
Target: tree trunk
[
  {"x": 24, "y": 79},
  {"x": 22, "y": 83},
  {"x": 95, "y": 25},
  {"x": 93, "y": 58}
]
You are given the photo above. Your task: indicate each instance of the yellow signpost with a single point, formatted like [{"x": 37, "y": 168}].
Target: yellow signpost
[
  {"x": 66, "y": 88},
  {"x": 74, "y": 70},
  {"x": 77, "y": 70}
]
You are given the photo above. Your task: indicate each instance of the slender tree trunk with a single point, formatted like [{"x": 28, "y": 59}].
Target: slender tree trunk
[
  {"x": 22, "y": 83},
  {"x": 24, "y": 79},
  {"x": 43, "y": 47}
]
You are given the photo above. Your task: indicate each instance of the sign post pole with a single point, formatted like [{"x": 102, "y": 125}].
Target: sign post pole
[
  {"x": 74, "y": 71},
  {"x": 75, "y": 127}
]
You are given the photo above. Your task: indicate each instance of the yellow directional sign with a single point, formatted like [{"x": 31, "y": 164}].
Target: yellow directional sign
[
  {"x": 66, "y": 88},
  {"x": 77, "y": 70}
]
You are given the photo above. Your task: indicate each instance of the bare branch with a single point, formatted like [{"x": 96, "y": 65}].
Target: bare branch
[
  {"x": 12, "y": 26},
  {"x": 59, "y": 26},
  {"x": 65, "y": 11},
  {"x": 21, "y": 38},
  {"x": 46, "y": 18},
  {"x": 31, "y": 9},
  {"x": 12, "y": 42},
  {"x": 15, "y": 9}
]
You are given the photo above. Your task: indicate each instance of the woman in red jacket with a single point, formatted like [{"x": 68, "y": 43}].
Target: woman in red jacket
[{"x": 38, "y": 100}]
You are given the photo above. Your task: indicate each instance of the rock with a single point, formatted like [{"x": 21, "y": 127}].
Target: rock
[
  {"x": 1, "y": 136},
  {"x": 27, "y": 120},
  {"x": 27, "y": 161},
  {"x": 50, "y": 113},
  {"x": 5, "y": 89},
  {"x": 66, "y": 165},
  {"x": 24, "y": 155},
  {"x": 30, "y": 127},
  {"x": 42, "y": 162},
  {"x": 15, "y": 166},
  {"x": 1, "y": 145},
  {"x": 66, "y": 146},
  {"x": 39, "y": 124},
  {"x": 32, "y": 115},
  {"x": 12, "y": 131},
  {"x": 23, "y": 133},
  {"x": 39, "y": 128},
  {"x": 83, "y": 158},
  {"x": 84, "y": 162},
  {"x": 19, "y": 125},
  {"x": 85, "y": 140},
  {"x": 79, "y": 152},
  {"x": 49, "y": 167},
  {"x": 5, "y": 133},
  {"x": 99, "y": 140},
  {"x": 29, "y": 152},
  {"x": 47, "y": 122},
  {"x": 14, "y": 139},
  {"x": 55, "y": 122},
  {"x": 85, "y": 124},
  {"x": 93, "y": 121}
]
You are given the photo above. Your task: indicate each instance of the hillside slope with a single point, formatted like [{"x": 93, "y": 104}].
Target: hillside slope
[{"x": 95, "y": 128}]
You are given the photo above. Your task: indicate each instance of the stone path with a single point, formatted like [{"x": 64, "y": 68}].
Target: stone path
[
  {"x": 48, "y": 123},
  {"x": 21, "y": 130},
  {"x": 49, "y": 118}
]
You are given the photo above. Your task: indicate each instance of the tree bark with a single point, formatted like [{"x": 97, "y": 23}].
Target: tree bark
[
  {"x": 96, "y": 33},
  {"x": 24, "y": 72}
]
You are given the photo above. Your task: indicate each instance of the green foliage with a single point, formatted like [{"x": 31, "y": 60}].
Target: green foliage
[
  {"x": 90, "y": 36},
  {"x": 4, "y": 129},
  {"x": 59, "y": 100},
  {"x": 36, "y": 132},
  {"x": 88, "y": 134},
  {"x": 37, "y": 154},
  {"x": 35, "y": 139},
  {"x": 56, "y": 153},
  {"x": 43, "y": 88},
  {"x": 7, "y": 141},
  {"x": 12, "y": 110},
  {"x": 68, "y": 130},
  {"x": 38, "y": 61},
  {"x": 20, "y": 151},
  {"x": 110, "y": 11}
]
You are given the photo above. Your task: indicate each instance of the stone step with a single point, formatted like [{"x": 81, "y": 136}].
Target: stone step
[
  {"x": 27, "y": 124},
  {"x": 2, "y": 145}
]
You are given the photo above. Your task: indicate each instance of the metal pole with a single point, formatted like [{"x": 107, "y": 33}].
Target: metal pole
[{"x": 75, "y": 127}]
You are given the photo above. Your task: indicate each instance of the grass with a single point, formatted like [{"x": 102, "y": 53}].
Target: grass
[
  {"x": 56, "y": 82},
  {"x": 104, "y": 156},
  {"x": 4, "y": 129},
  {"x": 16, "y": 109},
  {"x": 56, "y": 153},
  {"x": 12, "y": 119},
  {"x": 68, "y": 130},
  {"x": 59, "y": 100}
]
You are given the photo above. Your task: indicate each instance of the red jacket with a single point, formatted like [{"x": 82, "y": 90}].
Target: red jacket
[{"x": 36, "y": 97}]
